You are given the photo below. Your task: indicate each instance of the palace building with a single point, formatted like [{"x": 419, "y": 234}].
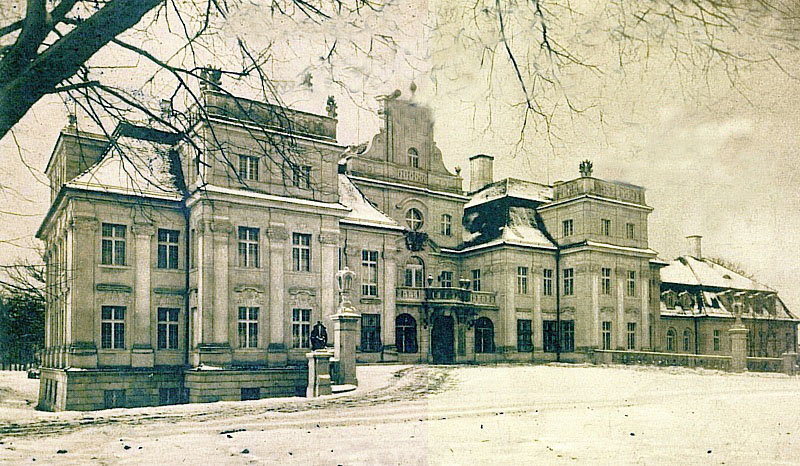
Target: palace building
[{"x": 192, "y": 267}]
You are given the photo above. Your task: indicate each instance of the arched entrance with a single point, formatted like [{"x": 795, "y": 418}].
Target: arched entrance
[{"x": 442, "y": 340}]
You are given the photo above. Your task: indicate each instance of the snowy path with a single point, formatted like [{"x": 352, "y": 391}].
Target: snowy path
[{"x": 455, "y": 415}]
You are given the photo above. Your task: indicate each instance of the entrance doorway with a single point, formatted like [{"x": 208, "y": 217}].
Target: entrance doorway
[{"x": 442, "y": 340}]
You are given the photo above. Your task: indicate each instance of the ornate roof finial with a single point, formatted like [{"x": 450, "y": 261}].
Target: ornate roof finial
[
  {"x": 412, "y": 88},
  {"x": 586, "y": 168},
  {"x": 330, "y": 107}
]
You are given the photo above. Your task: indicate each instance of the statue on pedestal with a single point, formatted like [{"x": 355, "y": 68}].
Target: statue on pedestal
[{"x": 319, "y": 336}]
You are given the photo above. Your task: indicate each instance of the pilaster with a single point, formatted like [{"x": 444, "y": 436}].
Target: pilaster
[
  {"x": 277, "y": 236},
  {"x": 645, "y": 331},
  {"x": 619, "y": 324},
  {"x": 389, "y": 303},
  {"x": 142, "y": 352}
]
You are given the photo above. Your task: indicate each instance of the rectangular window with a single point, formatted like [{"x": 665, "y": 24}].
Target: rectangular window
[
  {"x": 522, "y": 280},
  {"x": 301, "y": 252},
  {"x": 248, "y": 327},
  {"x": 447, "y": 221},
  {"x": 248, "y": 247},
  {"x": 167, "y": 249},
  {"x": 631, "y": 283},
  {"x": 605, "y": 227},
  {"x": 169, "y": 396},
  {"x": 550, "y": 336},
  {"x": 167, "y": 328},
  {"x": 630, "y": 231},
  {"x": 301, "y": 176},
  {"x": 301, "y": 328},
  {"x": 369, "y": 273},
  {"x": 568, "y": 227},
  {"x": 112, "y": 327},
  {"x": 114, "y": 398},
  {"x": 248, "y": 167},
  {"x": 476, "y": 280},
  {"x": 113, "y": 244},
  {"x": 631, "y": 336},
  {"x": 605, "y": 280},
  {"x": 717, "y": 340},
  {"x": 370, "y": 332},
  {"x": 250, "y": 393},
  {"x": 569, "y": 282},
  {"x": 193, "y": 249},
  {"x": 524, "y": 342},
  {"x": 547, "y": 282},
  {"x": 446, "y": 279},
  {"x": 606, "y": 335}
]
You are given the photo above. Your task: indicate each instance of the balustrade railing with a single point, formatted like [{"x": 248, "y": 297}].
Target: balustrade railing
[{"x": 447, "y": 295}]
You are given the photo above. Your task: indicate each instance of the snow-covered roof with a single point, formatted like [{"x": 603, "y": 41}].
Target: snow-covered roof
[
  {"x": 362, "y": 211},
  {"x": 132, "y": 166},
  {"x": 688, "y": 270},
  {"x": 512, "y": 187},
  {"x": 511, "y": 225},
  {"x": 521, "y": 229}
]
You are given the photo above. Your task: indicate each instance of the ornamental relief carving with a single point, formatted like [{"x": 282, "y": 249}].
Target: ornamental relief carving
[
  {"x": 249, "y": 295},
  {"x": 302, "y": 298}
]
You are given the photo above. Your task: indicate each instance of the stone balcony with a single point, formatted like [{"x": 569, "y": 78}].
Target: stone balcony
[{"x": 446, "y": 296}]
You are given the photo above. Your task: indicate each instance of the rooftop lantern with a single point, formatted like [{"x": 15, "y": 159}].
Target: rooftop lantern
[{"x": 344, "y": 281}]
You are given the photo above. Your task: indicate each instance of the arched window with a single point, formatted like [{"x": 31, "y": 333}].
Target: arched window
[
  {"x": 414, "y": 219},
  {"x": 415, "y": 271},
  {"x": 687, "y": 338},
  {"x": 413, "y": 158},
  {"x": 484, "y": 336},
  {"x": 406, "y": 334},
  {"x": 671, "y": 339}
]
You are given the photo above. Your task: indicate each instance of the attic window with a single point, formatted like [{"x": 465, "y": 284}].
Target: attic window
[{"x": 413, "y": 158}]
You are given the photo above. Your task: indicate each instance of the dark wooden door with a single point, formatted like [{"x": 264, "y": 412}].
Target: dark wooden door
[{"x": 442, "y": 340}]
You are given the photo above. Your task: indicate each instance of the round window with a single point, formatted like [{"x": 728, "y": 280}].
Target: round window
[{"x": 414, "y": 219}]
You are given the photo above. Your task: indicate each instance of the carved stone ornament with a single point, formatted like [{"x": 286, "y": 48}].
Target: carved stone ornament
[
  {"x": 113, "y": 293},
  {"x": 249, "y": 295},
  {"x": 415, "y": 240},
  {"x": 302, "y": 298}
]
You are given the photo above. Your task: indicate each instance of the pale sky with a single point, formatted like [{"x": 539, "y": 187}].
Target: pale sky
[{"x": 716, "y": 160}]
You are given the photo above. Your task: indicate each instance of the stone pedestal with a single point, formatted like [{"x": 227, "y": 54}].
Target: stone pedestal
[
  {"x": 345, "y": 323},
  {"x": 789, "y": 363},
  {"x": 319, "y": 378},
  {"x": 738, "y": 335}
]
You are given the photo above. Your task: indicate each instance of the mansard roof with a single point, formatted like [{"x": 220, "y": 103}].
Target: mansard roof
[
  {"x": 362, "y": 211},
  {"x": 138, "y": 163},
  {"x": 688, "y": 270}
]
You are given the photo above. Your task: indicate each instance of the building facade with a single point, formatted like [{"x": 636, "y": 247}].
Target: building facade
[{"x": 192, "y": 267}]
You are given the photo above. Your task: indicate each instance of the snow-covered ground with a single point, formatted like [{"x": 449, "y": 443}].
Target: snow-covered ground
[{"x": 550, "y": 414}]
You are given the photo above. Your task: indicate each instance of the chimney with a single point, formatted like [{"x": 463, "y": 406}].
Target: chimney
[
  {"x": 480, "y": 171},
  {"x": 695, "y": 248}
]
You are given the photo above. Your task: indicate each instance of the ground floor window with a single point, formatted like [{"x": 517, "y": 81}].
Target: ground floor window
[
  {"x": 251, "y": 393},
  {"x": 484, "y": 336},
  {"x": 606, "y": 335},
  {"x": 370, "y": 332},
  {"x": 716, "y": 340},
  {"x": 687, "y": 340},
  {"x": 524, "y": 343},
  {"x": 631, "y": 336},
  {"x": 406, "y": 334},
  {"x": 114, "y": 398},
  {"x": 168, "y": 328},
  {"x": 248, "y": 327},
  {"x": 550, "y": 336},
  {"x": 671, "y": 339},
  {"x": 169, "y": 396},
  {"x": 301, "y": 328},
  {"x": 112, "y": 327}
]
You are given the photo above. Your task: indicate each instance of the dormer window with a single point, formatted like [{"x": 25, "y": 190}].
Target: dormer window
[
  {"x": 669, "y": 299},
  {"x": 413, "y": 158},
  {"x": 414, "y": 219}
]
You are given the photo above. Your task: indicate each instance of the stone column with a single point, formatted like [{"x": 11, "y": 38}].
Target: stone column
[
  {"x": 221, "y": 233},
  {"x": 329, "y": 241},
  {"x": 619, "y": 326},
  {"x": 389, "y": 304},
  {"x": 645, "y": 331},
  {"x": 81, "y": 266},
  {"x": 345, "y": 323},
  {"x": 142, "y": 353},
  {"x": 277, "y": 347},
  {"x": 319, "y": 378},
  {"x": 738, "y": 335}
]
